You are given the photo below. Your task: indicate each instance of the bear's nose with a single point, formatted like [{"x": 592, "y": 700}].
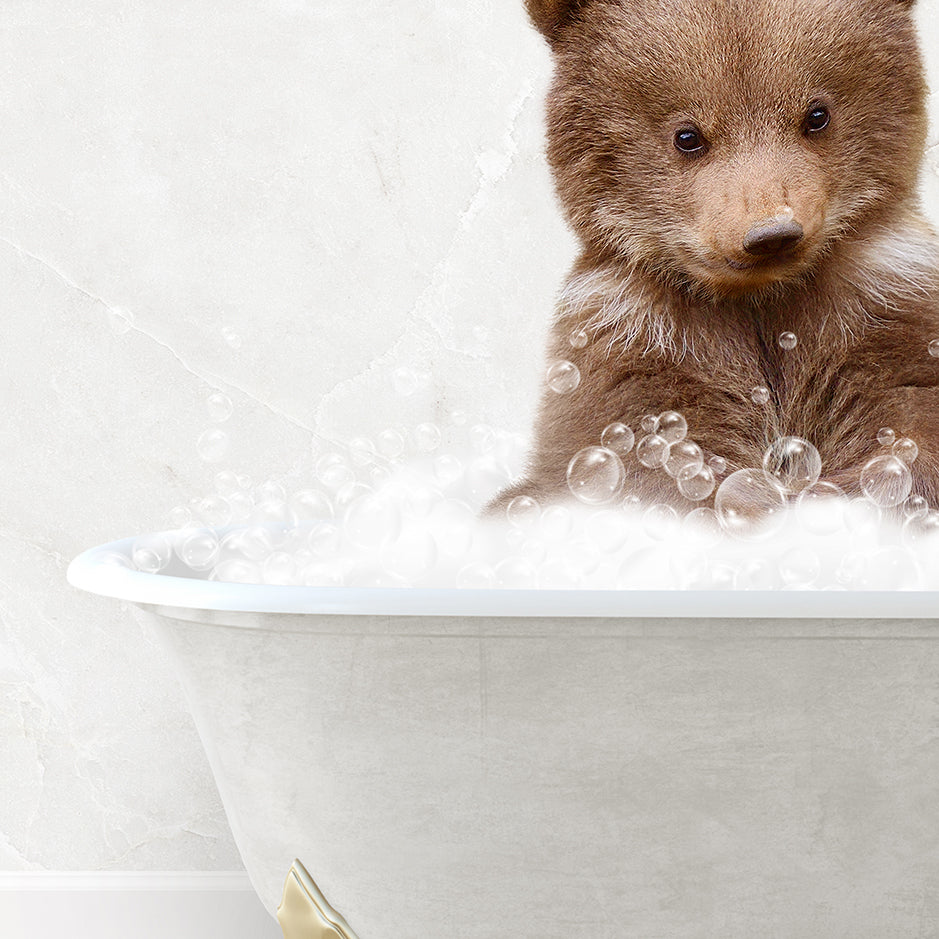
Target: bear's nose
[{"x": 772, "y": 236}]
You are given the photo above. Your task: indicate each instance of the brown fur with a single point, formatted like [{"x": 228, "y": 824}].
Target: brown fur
[{"x": 679, "y": 315}]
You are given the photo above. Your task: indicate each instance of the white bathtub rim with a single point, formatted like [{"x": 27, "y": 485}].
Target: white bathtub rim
[{"x": 92, "y": 572}]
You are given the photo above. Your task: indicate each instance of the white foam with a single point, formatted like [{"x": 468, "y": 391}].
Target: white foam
[{"x": 369, "y": 521}]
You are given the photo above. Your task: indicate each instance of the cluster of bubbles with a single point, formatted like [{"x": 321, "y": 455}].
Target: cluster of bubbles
[
  {"x": 403, "y": 509},
  {"x": 751, "y": 502},
  {"x": 214, "y": 443},
  {"x": 397, "y": 509}
]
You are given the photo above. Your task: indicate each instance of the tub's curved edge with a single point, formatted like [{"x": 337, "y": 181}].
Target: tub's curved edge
[{"x": 97, "y": 571}]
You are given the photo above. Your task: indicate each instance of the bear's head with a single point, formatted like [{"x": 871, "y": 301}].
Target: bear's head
[{"x": 729, "y": 145}]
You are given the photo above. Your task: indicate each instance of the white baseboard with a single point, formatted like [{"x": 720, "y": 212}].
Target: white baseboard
[{"x": 132, "y": 905}]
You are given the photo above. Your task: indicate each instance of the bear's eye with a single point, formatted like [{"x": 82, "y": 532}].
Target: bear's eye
[
  {"x": 690, "y": 140},
  {"x": 817, "y": 119}
]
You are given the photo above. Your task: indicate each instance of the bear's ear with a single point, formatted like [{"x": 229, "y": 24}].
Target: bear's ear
[{"x": 551, "y": 15}]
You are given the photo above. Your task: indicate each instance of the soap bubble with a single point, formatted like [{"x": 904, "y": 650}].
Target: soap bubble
[
  {"x": 886, "y": 481},
  {"x": 390, "y": 443},
  {"x": 579, "y": 338},
  {"x": 427, "y": 437},
  {"x": 922, "y": 528},
  {"x": 421, "y": 498},
  {"x": 523, "y": 512},
  {"x": 199, "y": 549},
  {"x": 533, "y": 550},
  {"x": 412, "y": 556},
  {"x": 180, "y": 516},
  {"x": 906, "y": 450},
  {"x": 820, "y": 508},
  {"x": 231, "y": 337},
  {"x": 214, "y": 511},
  {"x": 649, "y": 423},
  {"x": 892, "y": 568},
  {"x": 514, "y": 538},
  {"x": 595, "y": 475},
  {"x": 116, "y": 559},
  {"x": 557, "y": 522},
  {"x": 276, "y": 518},
  {"x": 862, "y": 517},
  {"x": 324, "y": 540},
  {"x": 447, "y": 469},
  {"x": 241, "y": 505},
  {"x": 718, "y": 464},
  {"x": 120, "y": 320},
  {"x": 516, "y": 573},
  {"x": 279, "y": 568},
  {"x": 219, "y": 407},
  {"x": 684, "y": 458},
  {"x": 361, "y": 451},
  {"x": 799, "y": 567},
  {"x": 226, "y": 483},
  {"x": 619, "y": 438},
  {"x": 915, "y": 507},
  {"x": 458, "y": 417},
  {"x": 608, "y": 529},
  {"x": 404, "y": 381},
  {"x": 482, "y": 438},
  {"x": 151, "y": 553},
  {"x": 236, "y": 571},
  {"x": 476, "y": 576},
  {"x": 886, "y": 436},
  {"x": 253, "y": 542},
  {"x": 485, "y": 476},
  {"x": 563, "y": 377},
  {"x": 317, "y": 574},
  {"x": 333, "y": 471},
  {"x": 558, "y": 575},
  {"x": 703, "y": 526},
  {"x": 749, "y": 505},
  {"x": 271, "y": 491},
  {"x": 696, "y": 483},
  {"x": 652, "y": 451},
  {"x": 755, "y": 574},
  {"x": 788, "y": 341},
  {"x": 851, "y": 570},
  {"x": 311, "y": 505},
  {"x": 792, "y": 463},
  {"x": 760, "y": 395},
  {"x": 378, "y": 475},
  {"x": 660, "y": 521},
  {"x": 934, "y": 348},
  {"x": 672, "y": 426},
  {"x": 578, "y": 555},
  {"x": 213, "y": 445},
  {"x": 371, "y": 521}
]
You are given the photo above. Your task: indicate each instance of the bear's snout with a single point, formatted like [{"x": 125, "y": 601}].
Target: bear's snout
[{"x": 772, "y": 236}]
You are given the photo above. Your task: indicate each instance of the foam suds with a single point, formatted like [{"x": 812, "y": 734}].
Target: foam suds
[{"x": 403, "y": 511}]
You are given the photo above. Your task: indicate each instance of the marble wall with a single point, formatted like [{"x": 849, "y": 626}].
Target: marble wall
[{"x": 282, "y": 200}]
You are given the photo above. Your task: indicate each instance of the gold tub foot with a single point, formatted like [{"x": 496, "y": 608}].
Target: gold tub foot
[{"x": 304, "y": 913}]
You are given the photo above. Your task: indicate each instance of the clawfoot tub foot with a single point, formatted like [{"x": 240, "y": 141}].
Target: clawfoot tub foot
[{"x": 304, "y": 912}]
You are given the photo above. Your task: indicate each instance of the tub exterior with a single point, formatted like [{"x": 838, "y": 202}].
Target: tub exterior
[{"x": 462, "y": 777}]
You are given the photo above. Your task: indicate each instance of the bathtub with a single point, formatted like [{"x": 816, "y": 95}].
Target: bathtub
[{"x": 545, "y": 764}]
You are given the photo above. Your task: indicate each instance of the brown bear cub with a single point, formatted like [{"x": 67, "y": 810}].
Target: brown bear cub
[{"x": 739, "y": 171}]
